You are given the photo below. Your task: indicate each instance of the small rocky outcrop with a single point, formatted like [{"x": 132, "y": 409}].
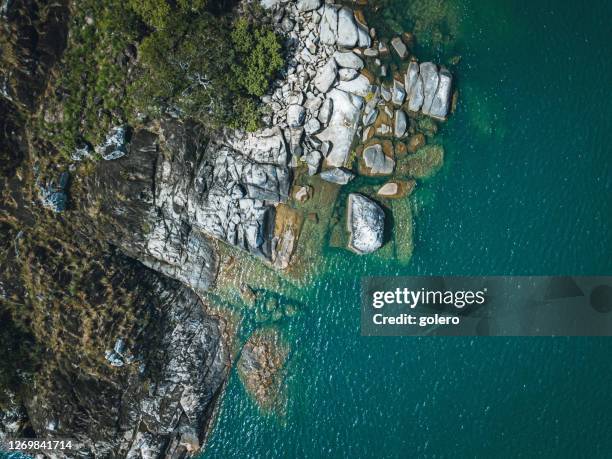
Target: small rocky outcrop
[
  {"x": 428, "y": 89},
  {"x": 54, "y": 195},
  {"x": 365, "y": 223},
  {"x": 116, "y": 144},
  {"x": 261, "y": 369},
  {"x": 376, "y": 160}
]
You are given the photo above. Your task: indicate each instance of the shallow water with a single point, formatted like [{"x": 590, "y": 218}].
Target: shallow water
[{"x": 526, "y": 189}]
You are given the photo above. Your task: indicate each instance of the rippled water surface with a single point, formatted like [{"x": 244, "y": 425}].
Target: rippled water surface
[{"x": 526, "y": 189}]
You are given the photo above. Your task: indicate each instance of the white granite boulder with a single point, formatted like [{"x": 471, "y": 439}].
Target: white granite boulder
[
  {"x": 365, "y": 223},
  {"x": 360, "y": 86},
  {"x": 348, "y": 35},
  {"x": 308, "y": 5},
  {"x": 338, "y": 175},
  {"x": 348, "y": 59},
  {"x": 441, "y": 102},
  {"x": 326, "y": 75},
  {"x": 328, "y": 27},
  {"x": 342, "y": 125}
]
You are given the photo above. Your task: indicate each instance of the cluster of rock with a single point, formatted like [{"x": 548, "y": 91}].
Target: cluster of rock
[
  {"x": 118, "y": 356},
  {"x": 319, "y": 102},
  {"x": 115, "y": 146},
  {"x": 327, "y": 98},
  {"x": 228, "y": 188},
  {"x": 428, "y": 89}
]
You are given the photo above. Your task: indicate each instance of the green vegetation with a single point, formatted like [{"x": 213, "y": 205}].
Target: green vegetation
[
  {"x": 125, "y": 60},
  {"x": 156, "y": 13},
  {"x": 185, "y": 68},
  {"x": 202, "y": 67},
  {"x": 259, "y": 53},
  {"x": 90, "y": 93}
]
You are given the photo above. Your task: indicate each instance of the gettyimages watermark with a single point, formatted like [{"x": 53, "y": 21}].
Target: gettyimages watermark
[{"x": 487, "y": 306}]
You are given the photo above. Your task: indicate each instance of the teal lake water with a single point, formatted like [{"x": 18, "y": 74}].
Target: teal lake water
[{"x": 526, "y": 189}]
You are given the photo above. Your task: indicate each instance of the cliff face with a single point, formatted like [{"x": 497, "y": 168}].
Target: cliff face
[
  {"x": 159, "y": 395},
  {"x": 121, "y": 357}
]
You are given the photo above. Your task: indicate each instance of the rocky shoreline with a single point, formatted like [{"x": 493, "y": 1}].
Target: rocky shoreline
[
  {"x": 172, "y": 198},
  {"x": 324, "y": 102}
]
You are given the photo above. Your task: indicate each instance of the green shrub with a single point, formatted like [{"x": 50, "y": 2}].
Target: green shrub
[
  {"x": 185, "y": 67},
  {"x": 158, "y": 13},
  {"x": 259, "y": 56}
]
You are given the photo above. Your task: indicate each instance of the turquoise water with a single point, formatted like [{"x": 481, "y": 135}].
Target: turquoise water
[{"x": 526, "y": 189}]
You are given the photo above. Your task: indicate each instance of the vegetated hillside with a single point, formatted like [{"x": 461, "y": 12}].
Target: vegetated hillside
[{"x": 69, "y": 72}]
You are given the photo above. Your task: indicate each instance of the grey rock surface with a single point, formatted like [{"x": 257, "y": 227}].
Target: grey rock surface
[
  {"x": 338, "y": 175},
  {"x": 399, "y": 47},
  {"x": 342, "y": 125},
  {"x": 308, "y": 5},
  {"x": 377, "y": 161},
  {"x": 348, "y": 59},
  {"x": 347, "y": 74},
  {"x": 326, "y": 76},
  {"x": 328, "y": 27},
  {"x": 116, "y": 144},
  {"x": 359, "y": 86},
  {"x": 347, "y": 35}
]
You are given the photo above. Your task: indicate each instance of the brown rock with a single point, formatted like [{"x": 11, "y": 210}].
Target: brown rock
[
  {"x": 416, "y": 141},
  {"x": 408, "y": 38},
  {"x": 401, "y": 150},
  {"x": 261, "y": 369}
]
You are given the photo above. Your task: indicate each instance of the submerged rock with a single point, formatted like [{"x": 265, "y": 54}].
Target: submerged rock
[
  {"x": 365, "y": 223},
  {"x": 400, "y": 124},
  {"x": 261, "y": 369},
  {"x": 388, "y": 189}
]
